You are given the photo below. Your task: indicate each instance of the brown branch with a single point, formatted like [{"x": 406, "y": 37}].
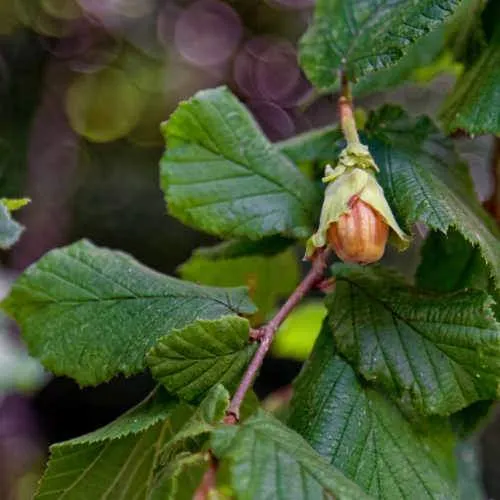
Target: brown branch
[
  {"x": 492, "y": 204},
  {"x": 266, "y": 333},
  {"x": 496, "y": 175},
  {"x": 208, "y": 481}
]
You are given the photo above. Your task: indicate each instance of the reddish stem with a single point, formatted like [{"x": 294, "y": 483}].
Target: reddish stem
[
  {"x": 269, "y": 330},
  {"x": 493, "y": 203},
  {"x": 208, "y": 481}
]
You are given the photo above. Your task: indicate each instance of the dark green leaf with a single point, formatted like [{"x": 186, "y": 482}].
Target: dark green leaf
[
  {"x": 117, "y": 461},
  {"x": 424, "y": 180},
  {"x": 365, "y": 36},
  {"x": 467, "y": 421},
  {"x": 269, "y": 460},
  {"x": 450, "y": 263},
  {"x": 359, "y": 431},
  {"x": 221, "y": 175},
  {"x": 190, "y": 361},
  {"x": 91, "y": 313},
  {"x": 269, "y": 278},
  {"x": 437, "y": 353},
  {"x": 210, "y": 412},
  {"x": 473, "y": 104},
  {"x": 10, "y": 230},
  {"x": 150, "y": 453},
  {"x": 419, "y": 56}
]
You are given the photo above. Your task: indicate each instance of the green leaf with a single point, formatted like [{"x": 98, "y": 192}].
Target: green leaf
[
  {"x": 91, "y": 313},
  {"x": 359, "y": 431},
  {"x": 232, "y": 249},
  {"x": 419, "y": 57},
  {"x": 424, "y": 180},
  {"x": 151, "y": 452},
  {"x": 190, "y": 361},
  {"x": 13, "y": 204},
  {"x": 269, "y": 278},
  {"x": 10, "y": 230},
  {"x": 117, "y": 461},
  {"x": 473, "y": 104},
  {"x": 437, "y": 353},
  {"x": 450, "y": 263},
  {"x": 296, "y": 337},
  {"x": 210, "y": 412},
  {"x": 181, "y": 477},
  {"x": 315, "y": 145},
  {"x": 221, "y": 175},
  {"x": 269, "y": 460},
  {"x": 365, "y": 36}
]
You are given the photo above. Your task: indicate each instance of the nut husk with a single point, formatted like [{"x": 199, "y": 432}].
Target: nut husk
[{"x": 359, "y": 236}]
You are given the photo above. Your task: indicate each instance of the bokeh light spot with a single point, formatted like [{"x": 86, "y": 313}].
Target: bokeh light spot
[
  {"x": 103, "y": 106},
  {"x": 207, "y": 33}
]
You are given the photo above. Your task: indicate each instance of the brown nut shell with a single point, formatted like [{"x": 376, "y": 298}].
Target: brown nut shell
[{"x": 359, "y": 236}]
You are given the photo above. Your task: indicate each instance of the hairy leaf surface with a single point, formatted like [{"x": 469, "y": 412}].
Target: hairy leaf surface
[
  {"x": 363, "y": 434},
  {"x": 269, "y": 460},
  {"x": 221, "y": 175},
  {"x": 424, "y": 180},
  {"x": 91, "y": 313},
  {"x": 365, "y": 35},
  {"x": 190, "y": 361},
  {"x": 116, "y": 461},
  {"x": 438, "y": 353},
  {"x": 473, "y": 104},
  {"x": 268, "y": 278}
]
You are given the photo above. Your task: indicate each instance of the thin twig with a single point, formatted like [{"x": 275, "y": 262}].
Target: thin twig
[
  {"x": 208, "y": 481},
  {"x": 268, "y": 331},
  {"x": 496, "y": 173},
  {"x": 492, "y": 204}
]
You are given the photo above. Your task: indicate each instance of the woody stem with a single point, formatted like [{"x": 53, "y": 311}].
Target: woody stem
[{"x": 268, "y": 332}]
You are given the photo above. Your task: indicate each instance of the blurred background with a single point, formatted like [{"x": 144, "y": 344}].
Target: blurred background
[{"x": 84, "y": 85}]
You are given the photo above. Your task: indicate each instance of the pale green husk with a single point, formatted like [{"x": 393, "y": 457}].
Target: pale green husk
[{"x": 353, "y": 175}]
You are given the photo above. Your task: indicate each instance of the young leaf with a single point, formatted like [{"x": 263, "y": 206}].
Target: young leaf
[
  {"x": 117, "y": 461},
  {"x": 204, "y": 418},
  {"x": 366, "y": 436},
  {"x": 269, "y": 460},
  {"x": 473, "y": 103},
  {"x": 10, "y": 230},
  {"x": 269, "y": 278},
  {"x": 437, "y": 353},
  {"x": 424, "y": 180},
  {"x": 365, "y": 36},
  {"x": 221, "y": 175},
  {"x": 91, "y": 313},
  {"x": 190, "y": 361}
]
